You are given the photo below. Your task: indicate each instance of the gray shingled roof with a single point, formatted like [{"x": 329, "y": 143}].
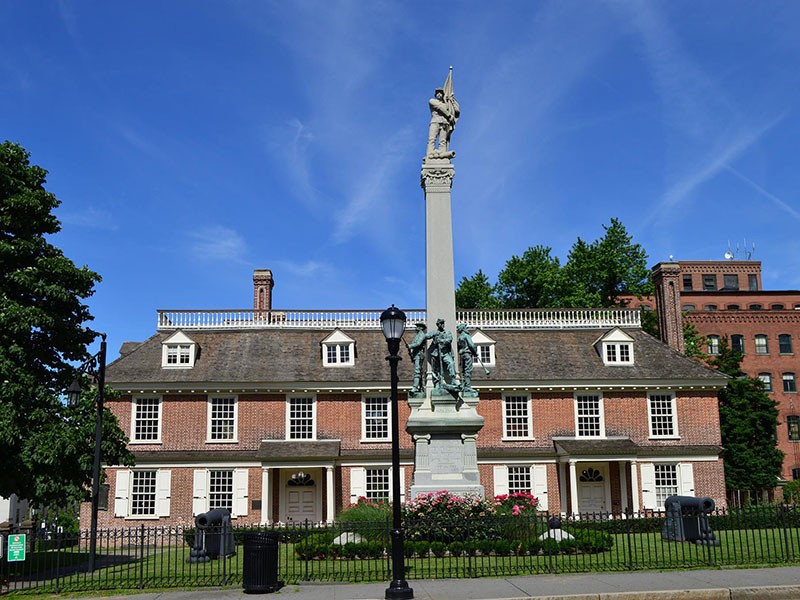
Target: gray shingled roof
[{"x": 275, "y": 357}]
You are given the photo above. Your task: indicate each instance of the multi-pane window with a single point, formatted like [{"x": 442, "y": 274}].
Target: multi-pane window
[
  {"x": 789, "y": 383},
  {"x": 777, "y": 307},
  {"x": 795, "y": 474},
  {"x": 733, "y": 307},
  {"x": 220, "y": 489},
  {"x": 687, "y": 283},
  {"x": 143, "y": 493},
  {"x": 618, "y": 353},
  {"x": 752, "y": 283},
  {"x": 666, "y": 482},
  {"x": 793, "y": 423},
  {"x": 377, "y": 484},
  {"x": 519, "y": 479},
  {"x": 709, "y": 283},
  {"x": 222, "y": 419},
  {"x": 731, "y": 282},
  {"x": 785, "y": 343},
  {"x": 338, "y": 354},
  {"x": 589, "y": 415},
  {"x": 516, "y": 417},
  {"x": 146, "y": 419},
  {"x": 762, "y": 344},
  {"x": 711, "y": 307},
  {"x": 662, "y": 415},
  {"x": 376, "y": 418},
  {"x": 301, "y": 418},
  {"x": 485, "y": 353},
  {"x": 737, "y": 343},
  {"x": 179, "y": 354},
  {"x": 766, "y": 379},
  {"x": 713, "y": 344}
]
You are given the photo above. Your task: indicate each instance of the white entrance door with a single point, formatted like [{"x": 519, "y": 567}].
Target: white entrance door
[
  {"x": 593, "y": 488},
  {"x": 300, "y": 496}
]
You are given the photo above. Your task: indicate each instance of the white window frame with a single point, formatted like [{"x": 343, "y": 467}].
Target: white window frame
[
  {"x": 180, "y": 345},
  {"x": 289, "y": 399},
  {"x": 601, "y": 419},
  {"x": 766, "y": 379},
  {"x": 685, "y": 476},
  {"x": 762, "y": 348},
  {"x": 160, "y": 420},
  {"x": 210, "y": 420},
  {"x": 123, "y": 493},
  {"x": 485, "y": 343},
  {"x": 333, "y": 348},
  {"x": 674, "y": 415},
  {"x": 528, "y": 417},
  {"x": 364, "y": 417},
  {"x": 201, "y": 490},
  {"x": 358, "y": 481},
  {"x": 713, "y": 344},
  {"x": 538, "y": 481}
]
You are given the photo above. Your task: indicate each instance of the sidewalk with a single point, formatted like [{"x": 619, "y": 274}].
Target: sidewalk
[{"x": 781, "y": 583}]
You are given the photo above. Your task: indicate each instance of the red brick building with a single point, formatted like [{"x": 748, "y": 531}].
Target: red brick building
[
  {"x": 284, "y": 415},
  {"x": 725, "y": 299}
]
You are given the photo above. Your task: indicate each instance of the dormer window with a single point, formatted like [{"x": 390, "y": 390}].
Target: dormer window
[
  {"x": 338, "y": 350},
  {"x": 485, "y": 346},
  {"x": 616, "y": 348},
  {"x": 178, "y": 351}
]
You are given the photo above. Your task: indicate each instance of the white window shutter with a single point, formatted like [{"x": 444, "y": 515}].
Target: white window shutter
[
  {"x": 402, "y": 484},
  {"x": 648, "y": 483},
  {"x": 500, "y": 480},
  {"x": 163, "y": 491},
  {"x": 358, "y": 478},
  {"x": 240, "y": 492},
  {"x": 539, "y": 478},
  {"x": 686, "y": 481},
  {"x": 122, "y": 493},
  {"x": 200, "y": 492}
]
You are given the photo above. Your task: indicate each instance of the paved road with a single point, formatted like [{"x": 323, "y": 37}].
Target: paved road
[{"x": 781, "y": 583}]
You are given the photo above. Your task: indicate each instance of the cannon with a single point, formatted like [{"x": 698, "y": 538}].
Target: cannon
[
  {"x": 687, "y": 520},
  {"x": 213, "y": 536}
]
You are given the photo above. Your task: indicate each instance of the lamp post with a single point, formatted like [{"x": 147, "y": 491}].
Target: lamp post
[
  {"x": 393, "y": 322},
  {"x": 96, "y": 367}
]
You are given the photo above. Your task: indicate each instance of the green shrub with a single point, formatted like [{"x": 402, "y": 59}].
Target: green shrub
[
  {"x": 534, "y": 546},
  {"x": 445, "y": 517},
  {"x": 368, "y": 518},
  {"x": 568, "y": 545},
  {"x": 594, "y": 541},
  {"x": 502, "y": 547},
  {"x": 486, "y": 547},
  {"x": 791, "y": 492},
  {"x": 550, "y": 546},
  {"x": 456, "y": 548},
  {"x": 371, "y": 550},
  {"x": 422, "y": 548},
  {"x": 439, "y": 549},
  {"x": 350, "y": 550}
]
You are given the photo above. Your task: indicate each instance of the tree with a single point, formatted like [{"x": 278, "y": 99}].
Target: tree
[
  {"x": 748, "y": 424},
  {"x": 476, "y": 292},
  {"x": 531, "y": 280},
  {"x": 597, "y": 274},
  {"x": 46, "y": 447}
]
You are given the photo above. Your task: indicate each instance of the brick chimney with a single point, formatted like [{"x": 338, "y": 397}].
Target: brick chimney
[
  {"x": 666, "y": 278},
  {"x": 262, "y": 289}
]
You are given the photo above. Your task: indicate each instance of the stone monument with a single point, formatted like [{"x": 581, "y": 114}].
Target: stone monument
[{"x": 444, "y": 422}]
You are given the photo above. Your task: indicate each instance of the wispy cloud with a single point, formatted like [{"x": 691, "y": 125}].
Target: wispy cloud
[
  {"x": 777, "y": 201},
  {"x": 305, "y": 269},
  {"x": 217, "y": 243},
  {"x": 90, "y": 217}
]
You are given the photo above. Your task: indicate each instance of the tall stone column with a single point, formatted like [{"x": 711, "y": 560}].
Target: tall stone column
[{"x": 437, "y": 181}]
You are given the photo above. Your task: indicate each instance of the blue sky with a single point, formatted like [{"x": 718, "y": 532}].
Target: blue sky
[{"x": 192, "y": 141}]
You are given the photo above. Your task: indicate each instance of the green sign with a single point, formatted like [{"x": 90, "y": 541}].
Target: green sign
[{"x": 16, "y": 547}]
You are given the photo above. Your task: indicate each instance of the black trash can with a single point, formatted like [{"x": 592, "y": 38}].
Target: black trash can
[{"x": 260, "y": 564}]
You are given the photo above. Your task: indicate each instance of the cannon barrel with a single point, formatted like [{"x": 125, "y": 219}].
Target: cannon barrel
[
  {"x": 211, "y": 518},
  {"x": 690, "y": 503}
]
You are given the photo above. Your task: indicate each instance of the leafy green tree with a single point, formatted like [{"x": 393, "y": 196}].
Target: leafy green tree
[
  {"x": 748, "y": 423},
  {"x": 531, "y": 280},
  {"x": 597, "y": 274},
  {"x": 46, "y": 447},
  {"x": 476, "y": 292}
]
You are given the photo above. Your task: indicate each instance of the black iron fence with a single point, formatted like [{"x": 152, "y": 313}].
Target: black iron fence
[{"x": 162, "y": 557}]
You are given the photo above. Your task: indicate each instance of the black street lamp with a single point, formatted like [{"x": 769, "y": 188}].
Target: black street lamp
[
  {"x": 96, "y": 367},
  {"x": 393, "y": 322}
]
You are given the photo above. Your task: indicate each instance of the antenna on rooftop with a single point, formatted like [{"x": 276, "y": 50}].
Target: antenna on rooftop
[{"x": 744, "y": 251}]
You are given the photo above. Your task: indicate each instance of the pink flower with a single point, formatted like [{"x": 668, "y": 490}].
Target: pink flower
[{"x": 516, "y": 510}]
